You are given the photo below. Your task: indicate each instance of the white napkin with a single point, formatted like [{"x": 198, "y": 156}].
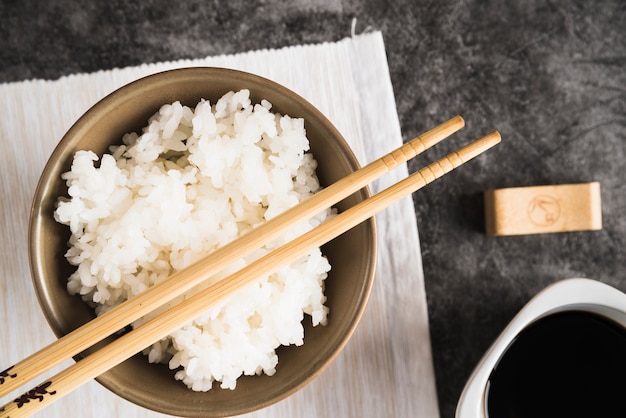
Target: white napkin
[{"x": 386, "y": 368}]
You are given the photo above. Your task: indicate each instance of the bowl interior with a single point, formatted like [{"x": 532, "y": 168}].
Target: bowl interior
[{"x": 352, "y": 255}]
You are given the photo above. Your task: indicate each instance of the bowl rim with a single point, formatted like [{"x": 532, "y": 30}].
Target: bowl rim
[{"x": 110, "y": 101}]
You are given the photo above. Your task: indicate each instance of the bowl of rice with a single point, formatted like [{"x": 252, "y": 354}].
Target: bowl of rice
[{"x": 159, "y": 174}]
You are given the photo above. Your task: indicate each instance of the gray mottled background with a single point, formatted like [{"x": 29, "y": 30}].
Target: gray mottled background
[{"x": 550, "y": 75}]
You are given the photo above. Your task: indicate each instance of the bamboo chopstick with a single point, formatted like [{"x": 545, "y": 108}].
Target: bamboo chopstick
[
  {"x": 162, "y": 325},
  {"x": 184, "y": 280}
]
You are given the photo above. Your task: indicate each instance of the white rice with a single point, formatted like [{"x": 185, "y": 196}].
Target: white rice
[{"x": 194, "y": 180}]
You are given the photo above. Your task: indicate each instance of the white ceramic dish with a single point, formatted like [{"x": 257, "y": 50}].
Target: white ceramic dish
[{"x": 566, "y": 295}]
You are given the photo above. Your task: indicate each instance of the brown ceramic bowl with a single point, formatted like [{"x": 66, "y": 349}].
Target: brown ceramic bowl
[{"x": 351, "y": 255}]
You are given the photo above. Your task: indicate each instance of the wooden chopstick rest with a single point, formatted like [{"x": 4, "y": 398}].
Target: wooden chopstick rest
[{"x": 543, "y": 209}]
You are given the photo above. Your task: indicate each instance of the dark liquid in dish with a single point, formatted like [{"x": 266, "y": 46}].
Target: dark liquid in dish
[{"x": 568, "y": 364}]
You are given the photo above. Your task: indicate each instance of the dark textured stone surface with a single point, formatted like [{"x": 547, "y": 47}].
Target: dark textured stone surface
[{"x": 550, "y": 75}]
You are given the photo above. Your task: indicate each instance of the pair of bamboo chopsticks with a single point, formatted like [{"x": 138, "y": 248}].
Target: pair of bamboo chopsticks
[{"x": 184, "y": 280}]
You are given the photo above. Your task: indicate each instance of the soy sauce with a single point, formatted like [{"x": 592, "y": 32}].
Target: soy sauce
[{"x": 568, "y": 364}]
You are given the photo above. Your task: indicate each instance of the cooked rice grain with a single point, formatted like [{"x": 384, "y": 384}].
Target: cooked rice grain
[{"x": 192, "y": 181}]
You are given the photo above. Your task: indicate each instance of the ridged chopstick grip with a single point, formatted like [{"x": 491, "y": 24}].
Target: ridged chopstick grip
[
  {"x": 184, "y": 280},
  {"x": 159, "y": 327}
]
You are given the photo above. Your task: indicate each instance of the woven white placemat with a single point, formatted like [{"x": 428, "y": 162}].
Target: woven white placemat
[{"x": 386, "y": 368}]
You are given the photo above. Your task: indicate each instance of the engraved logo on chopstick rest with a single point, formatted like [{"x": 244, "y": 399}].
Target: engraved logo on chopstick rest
[
  {"x": 544, "y": 210},
  {"x": 5, "y": 375},
  {"x": 36, "y": 394}
]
